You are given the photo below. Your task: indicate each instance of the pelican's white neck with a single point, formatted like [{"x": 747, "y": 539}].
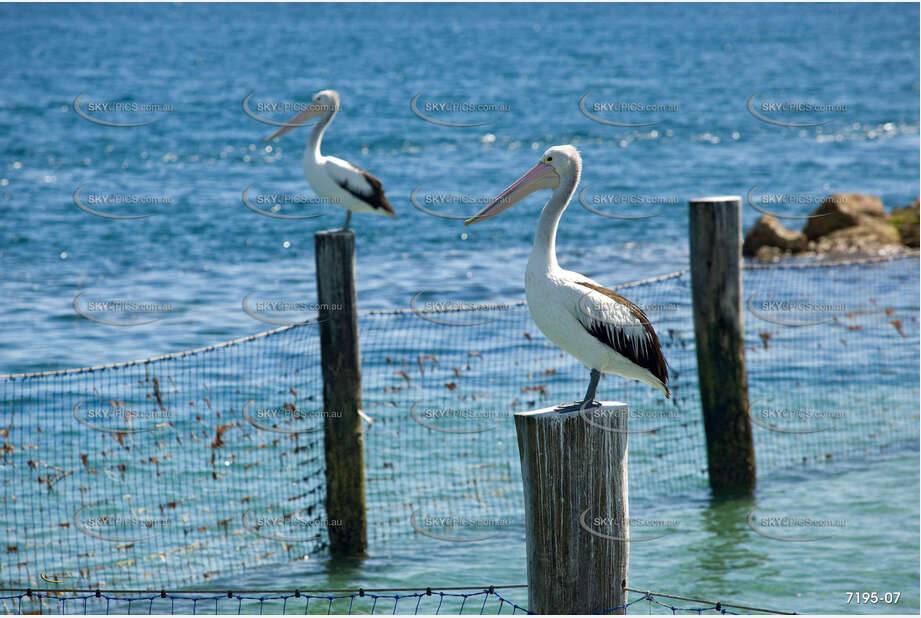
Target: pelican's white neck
[
  {"x": 316, "y": 137},
  {"x": 543, "y": 253}
]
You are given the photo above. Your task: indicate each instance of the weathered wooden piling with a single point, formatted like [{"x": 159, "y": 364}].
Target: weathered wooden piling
[
  {"x": 341, "y": 359},
  {"x": 716, "y": 279},
  {"x": 574, "y": 470}
]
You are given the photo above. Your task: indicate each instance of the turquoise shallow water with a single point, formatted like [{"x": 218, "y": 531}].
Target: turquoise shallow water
[
  {"x": 204, "y": 252},
  {"x": 714, "y": 553}
]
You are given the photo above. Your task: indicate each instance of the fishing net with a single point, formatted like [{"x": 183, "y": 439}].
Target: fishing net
[{"x": 182, "y": 469}]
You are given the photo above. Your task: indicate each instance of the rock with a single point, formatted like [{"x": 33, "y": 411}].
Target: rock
[
  {"x": 769, "y": 232},
  {"x": 906, "y": 221},
  {"x": 840, "y": 211},
  {"x": 769, "y": 254},
  {"x": 870, "y": 237}
]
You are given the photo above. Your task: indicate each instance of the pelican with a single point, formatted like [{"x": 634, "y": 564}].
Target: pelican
[
  {"x": 337, "y": 181},
  {"x": 603, "y": 330}
]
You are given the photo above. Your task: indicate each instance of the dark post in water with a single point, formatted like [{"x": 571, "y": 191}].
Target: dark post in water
[
  {"x": 716, "y": 279},
  {"x": 574, "y": 470},
  {"x": 341, "y": 358}
]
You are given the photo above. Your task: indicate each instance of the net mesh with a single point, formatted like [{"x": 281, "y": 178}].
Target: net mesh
[
  {"x": 150, "y": 472},
  {"x": 472, "y": 600},
  {"x": 155, "y": 472}
]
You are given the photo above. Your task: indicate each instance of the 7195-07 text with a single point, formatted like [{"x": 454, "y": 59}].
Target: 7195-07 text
[{"x": 873, "y": 598}]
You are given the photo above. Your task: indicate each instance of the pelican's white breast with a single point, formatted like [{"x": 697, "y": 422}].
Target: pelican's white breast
[{"x": 564, "y": 310}]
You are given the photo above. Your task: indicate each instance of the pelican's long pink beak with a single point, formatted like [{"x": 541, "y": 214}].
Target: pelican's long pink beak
[
  {"x": 541, "y": 176},
  {"x": 299, "y": 120}
]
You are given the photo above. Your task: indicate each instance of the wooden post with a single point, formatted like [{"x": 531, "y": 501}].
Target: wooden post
[
  {"x": 716, "y": 279},
  {"x": 574, "y": 470},
  {"x": 341, "y": 358}
]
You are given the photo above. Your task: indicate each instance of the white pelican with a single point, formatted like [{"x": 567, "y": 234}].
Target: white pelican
[
  {"x": 335, "y": 180},
  {"x": 602, "y": 329}
]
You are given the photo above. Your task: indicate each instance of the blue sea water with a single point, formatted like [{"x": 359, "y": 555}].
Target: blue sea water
[{"x": 203, "y": 251}]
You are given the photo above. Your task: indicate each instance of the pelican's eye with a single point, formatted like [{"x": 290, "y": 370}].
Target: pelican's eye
[{"x": 549, "y": 159}]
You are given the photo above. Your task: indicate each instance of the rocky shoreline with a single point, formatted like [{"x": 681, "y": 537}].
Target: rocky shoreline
[{"x": 844, "y": 225}]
